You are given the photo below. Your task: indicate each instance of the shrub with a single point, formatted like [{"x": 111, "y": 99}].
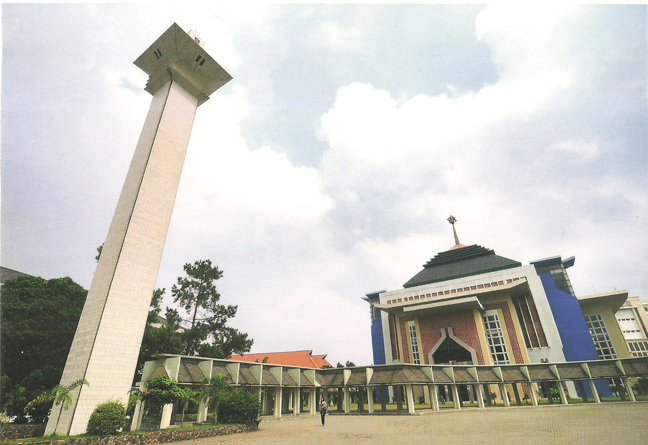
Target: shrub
[
  {"x": 107, "y": 419},
  {"x": 239, "y": 406},
  {"x": 159, "y": 392}
]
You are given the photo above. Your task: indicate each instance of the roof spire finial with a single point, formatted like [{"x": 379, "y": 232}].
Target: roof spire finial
[{"x": 452, "y": 220}]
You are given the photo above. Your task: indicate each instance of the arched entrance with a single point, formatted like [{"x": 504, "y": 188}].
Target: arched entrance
[{"x": 451, "y": 350}]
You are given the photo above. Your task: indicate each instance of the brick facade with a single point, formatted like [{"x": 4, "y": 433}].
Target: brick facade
[{"x": 462, "y": 324}]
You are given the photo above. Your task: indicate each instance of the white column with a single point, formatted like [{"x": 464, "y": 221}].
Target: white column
[
  {"x": 631, "y": 395},
  {"x": 455, "y": 396},
  {"x": 297, "y": 401},
  {"x": 203, "y": 407},
  {"x": 595, "y": 393},
  {"x": 370, "y": 399},
  {"x": 534, "y": 395},
  {"x": 503, "y": 394},
  {"x": 136, "y": 424},
  {"x": 563, "y": 396},
  {"x": 434, "y": 396},
  {"x": 165, "y": 422},
  {"x": 409, "y": 395},
  {"x": 479, "y": 390},
  {"x": 312, "y": 397},
  {"x": 347, "y": 400},
  {"x": 277, "y": 405}
]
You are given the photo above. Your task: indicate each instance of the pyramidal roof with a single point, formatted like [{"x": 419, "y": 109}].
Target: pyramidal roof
[{"x": 460, "y": 262}]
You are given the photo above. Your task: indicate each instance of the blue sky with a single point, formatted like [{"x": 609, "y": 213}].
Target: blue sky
[{"x": 327, "y": 167}]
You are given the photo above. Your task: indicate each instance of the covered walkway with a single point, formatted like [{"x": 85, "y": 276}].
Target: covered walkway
[{"x": 285, "y": 389}]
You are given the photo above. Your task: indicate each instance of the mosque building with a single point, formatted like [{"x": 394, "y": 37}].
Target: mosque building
[{"x": 471, "y": 306}]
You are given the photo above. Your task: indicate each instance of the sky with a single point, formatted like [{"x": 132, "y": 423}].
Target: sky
[{"x": 327, "y": 168}]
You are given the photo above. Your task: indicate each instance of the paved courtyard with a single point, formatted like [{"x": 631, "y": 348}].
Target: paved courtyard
[{"x": 612, "y": 423}]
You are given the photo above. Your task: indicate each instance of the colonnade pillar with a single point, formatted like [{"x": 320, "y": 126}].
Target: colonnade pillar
[
  {"x": 503, "y": 394},
  {"x": 312, "y": 394},
  {"x": 532, "y": 392},
  {"x": 136, "y": 423},
  {"x": 595, "y": 393},
  {"x": 434, "y": 396},
  {"x": 370, "y": 399},
  {"x": 409, "y": 394},
  {"x": 296, "y": 401},
  {"x": 631, "y": 395},
  {"x": 347, "y": 400},
  {"x": 455, "y": 396},
  {"x": 203, "y": 408},
  {"x": 479, "y": 393},
  {"x": 167, "y": 410},
  {"x": 561, "y": 391},
  {"x": 278, "y": 404}
]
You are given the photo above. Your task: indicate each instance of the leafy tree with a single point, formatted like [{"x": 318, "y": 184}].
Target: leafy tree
[
  {"x": 159, "y": 392},
  {"x": 217, "y": 388},
  {"x": 208, "y": 334},
  {"x": 99, "y": 249},
  {"x": 59, "y": 395},
  {"x": 186, "y": 396},
  {"x": 165, "y": 339},
  {"x": 239, "y": 406},
  {"x": 348, "y": 364},
  {"x": 39, "y": 318}
]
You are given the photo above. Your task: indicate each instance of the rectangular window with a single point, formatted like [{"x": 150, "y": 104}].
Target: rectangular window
[
  {"x": 638, "y": 348},
  {"x": 495, "y": 338},
  {"x": 600, "y": 336},
  {"x": 416, "y": 356}
]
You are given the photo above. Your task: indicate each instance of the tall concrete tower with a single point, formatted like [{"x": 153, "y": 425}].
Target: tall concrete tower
[{"x": 108, "y": 338}]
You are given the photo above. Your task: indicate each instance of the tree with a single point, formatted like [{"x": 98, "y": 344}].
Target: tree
[
  {"x": 99, "y": 249},
  {"x": 208, "y": 334},
  {"x": 165, "y": 339},
  {"x": 348, "y": 364},
  {"x": 60, "y": 395},
  {"x": 218, "y": 386},
  {"x": 159, "y": 392},
  {"x": 185, "y": 396},
  {"x": 39, "y": 318}
]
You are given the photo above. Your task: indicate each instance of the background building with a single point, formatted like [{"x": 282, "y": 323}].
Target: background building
[
  {"x": 633, "y": 322},
  {"x": 302, "y": 359}
]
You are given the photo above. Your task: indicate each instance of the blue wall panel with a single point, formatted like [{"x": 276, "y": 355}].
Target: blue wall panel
[
  {"x": 378, "y": 343},
  {"x": 574, "y": 333}
]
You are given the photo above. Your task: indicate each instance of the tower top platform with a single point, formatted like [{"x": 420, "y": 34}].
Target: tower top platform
[{"x": 176, "y": 56}]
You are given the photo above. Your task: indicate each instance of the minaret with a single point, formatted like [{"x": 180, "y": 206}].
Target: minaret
[{"x": 108, "y": 338}]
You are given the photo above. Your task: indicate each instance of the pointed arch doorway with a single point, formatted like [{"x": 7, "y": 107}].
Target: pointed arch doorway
[{"x": 449, "y": 349}]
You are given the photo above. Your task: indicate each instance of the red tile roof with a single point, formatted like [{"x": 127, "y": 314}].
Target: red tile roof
[{"x": 302, "y": 359}]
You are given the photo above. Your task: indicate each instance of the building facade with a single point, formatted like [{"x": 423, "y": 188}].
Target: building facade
[
  {"x": 470, "y": 306},
  {"x": 632, "y": 318}
]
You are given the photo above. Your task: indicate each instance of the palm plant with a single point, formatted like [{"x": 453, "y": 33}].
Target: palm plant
[
  {"x": 185, "y": 396},
  {"x": 60, "y": 395},
  {"x": 217, "y": 387}
]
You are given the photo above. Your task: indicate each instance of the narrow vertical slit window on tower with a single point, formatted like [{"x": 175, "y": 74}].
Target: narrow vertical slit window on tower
[
  {"x": 495, "y": 338},
  {"x": 393, "y": 334},
  {"x": 416, "y": 356},
  {"x": 158, "y": 54}
]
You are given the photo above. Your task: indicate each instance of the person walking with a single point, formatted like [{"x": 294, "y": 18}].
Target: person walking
[{"x": 323, "y": 409}]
